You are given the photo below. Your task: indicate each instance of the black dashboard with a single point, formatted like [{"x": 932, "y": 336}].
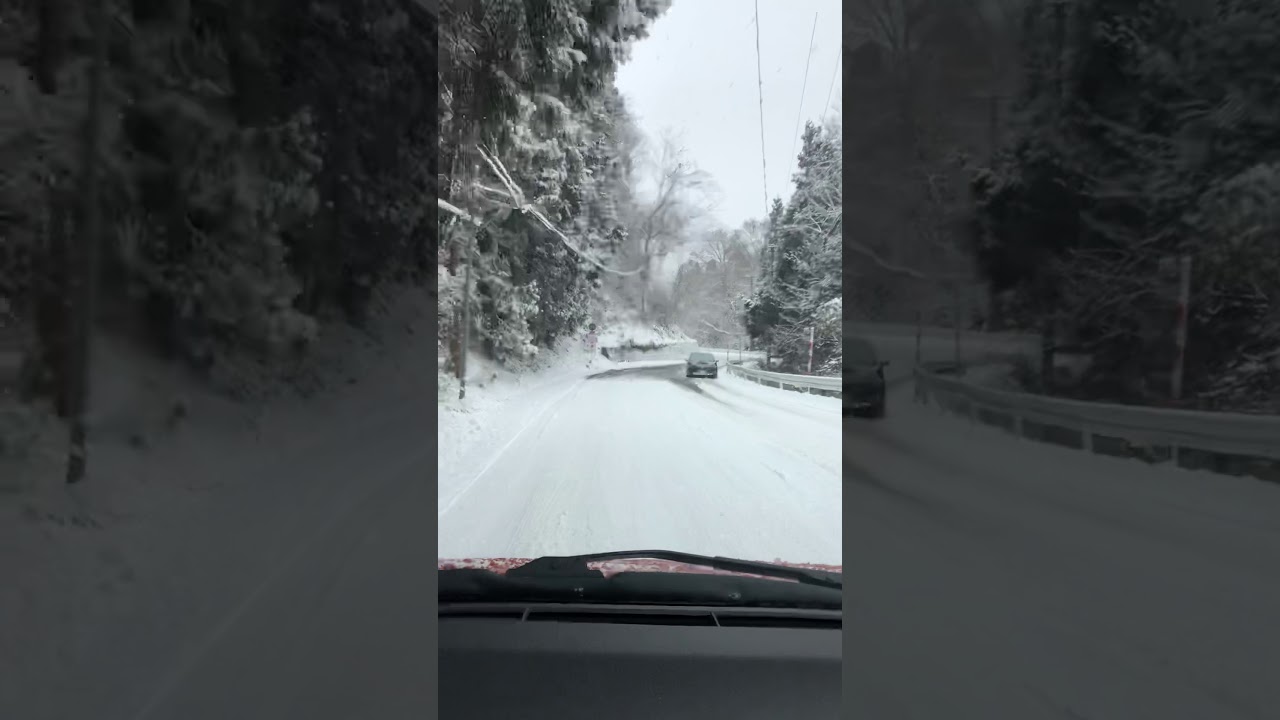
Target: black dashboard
[{"x": 512, "y": 660}]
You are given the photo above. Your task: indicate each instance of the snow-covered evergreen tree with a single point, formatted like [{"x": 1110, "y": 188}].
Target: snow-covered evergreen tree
[
  {"x": 533, "y": 83},
  {"x": 802, "y": 272},
  {"x": 1147, "y": 131}
]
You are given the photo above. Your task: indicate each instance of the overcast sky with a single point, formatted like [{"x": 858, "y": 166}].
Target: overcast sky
[{"x": 696, "y": 74}]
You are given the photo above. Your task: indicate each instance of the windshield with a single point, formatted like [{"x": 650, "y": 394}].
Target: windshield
[
  {"x": 1046, "y": 413},
  {"x": 606, "y": 371}
]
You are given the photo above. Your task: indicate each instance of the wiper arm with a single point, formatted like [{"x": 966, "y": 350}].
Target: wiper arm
[{"x": 577, "y": 565}]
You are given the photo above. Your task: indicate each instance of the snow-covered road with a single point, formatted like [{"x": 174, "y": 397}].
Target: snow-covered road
[
  {"x": 638, "y": 456},
  {"x": 990, "y": 577},
  {"x": 993, "y": 577}
]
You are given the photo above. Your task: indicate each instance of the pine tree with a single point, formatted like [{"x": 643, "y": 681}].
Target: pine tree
[
  {"x": 801, "y": 280},
  {"x": 1145, "y": 133},
  {"x": 533, "y": 82}
]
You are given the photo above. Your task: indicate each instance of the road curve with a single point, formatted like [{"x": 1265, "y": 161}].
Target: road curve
[{"x": 999, "y": 578}]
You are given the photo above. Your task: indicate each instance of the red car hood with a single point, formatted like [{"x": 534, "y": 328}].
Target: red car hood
[{"x": 610, "y": 567}]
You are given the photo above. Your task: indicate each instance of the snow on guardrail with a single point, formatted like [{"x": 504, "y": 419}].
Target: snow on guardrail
[
  {"x": 1220, "y": 433},
  {"x": 802, "y": 383}
]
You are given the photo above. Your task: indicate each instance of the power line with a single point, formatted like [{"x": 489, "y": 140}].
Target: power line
[
  {"x": 795, "y": 134},
  {"x": 834, "y": 74},
  {"x": 764, "y": 169}
]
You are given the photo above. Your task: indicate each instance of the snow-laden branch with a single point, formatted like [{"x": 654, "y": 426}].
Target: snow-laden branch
[
  {"x": 882, "y": 263},
  {"x": 722, "y": 332},
  {"x": 516, "y": 196},
  {"x": 456, "y": 211}
]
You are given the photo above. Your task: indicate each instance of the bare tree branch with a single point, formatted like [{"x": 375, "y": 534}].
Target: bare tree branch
[
  {"x": 881, "y": 262},
  {"x": 719, "y": 330},
  {"x": 444, "y": 205}
]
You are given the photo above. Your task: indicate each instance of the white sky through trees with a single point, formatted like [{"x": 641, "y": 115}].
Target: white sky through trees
[{"x": 696, "y": 74}]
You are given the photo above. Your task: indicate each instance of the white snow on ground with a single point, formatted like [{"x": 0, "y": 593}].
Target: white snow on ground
[
  {"x": 1139, "y": 490},
  {"x": 733, "y": 354},
  {"x": 819, "y": 406},
  {"x": 642, "y": 457},
  {"x": 498, "y": 403},
  {"x": 650, "y": 363},
  {"x": 1027, "y": 580},
  {"x": 621, "y": 330},
  {"x": 556, "y": 461},
  {"x": 813, "y": 422},
  {"x": 106, "y": 583}
]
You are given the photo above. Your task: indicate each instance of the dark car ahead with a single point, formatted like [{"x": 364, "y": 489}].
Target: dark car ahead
[
  {"x": 701, "y": 364},
  {"x": 863, "y": 376}
]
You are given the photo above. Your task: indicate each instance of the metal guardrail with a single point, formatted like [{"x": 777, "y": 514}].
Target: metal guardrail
[
  {"x": 813, "y": 384},
  {"x": 1238, "y": 434},
  {"x": 734, "y": 356}
]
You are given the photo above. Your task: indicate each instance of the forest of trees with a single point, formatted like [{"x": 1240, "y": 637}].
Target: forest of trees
[
  {"x": 538, "y": 151},
  {"x": 800, "y": 278},
  {"x": 932, "y": 80},
  {"x": 264, "y": 166},
  {"x": 1145, "y": 132},
  {"x": 1046, "y": 165},
  {"x": 711, "y": 289},
  {"x": 556, "y": 201}
]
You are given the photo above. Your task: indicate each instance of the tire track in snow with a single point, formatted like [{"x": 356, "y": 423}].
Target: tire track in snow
[
  {"x": 631, "y": 462},
  {"x": 441, "y": 512},
  {"x": 808, "y": 412},
  {"x": 740, "y": 407}
]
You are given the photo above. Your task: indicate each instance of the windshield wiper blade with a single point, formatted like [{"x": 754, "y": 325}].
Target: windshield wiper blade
[{"x": 577, "y": 565}]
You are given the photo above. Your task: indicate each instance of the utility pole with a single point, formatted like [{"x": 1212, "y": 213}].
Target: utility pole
[
  {"x": 464, "y": 336},
  {"x": 993, "y": 127},
  {"x": 1184, "y": 297},
  {"x": 958, "y": 312},
  {"x": 919, "y": 333},
  {"x": 810, "y": 370},
  {"x": 87, "y": 270},
  {"x": 466, "y": 324},
  {"x": 764, "y": 168},
  {"x": 995, "y": 321}
]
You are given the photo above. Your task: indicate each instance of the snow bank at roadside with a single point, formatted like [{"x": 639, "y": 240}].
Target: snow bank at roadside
[
  {"x": 122, "y": 552},
  {"x": 500, "y": 400},
  {"x": 629, "y": 331}
]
